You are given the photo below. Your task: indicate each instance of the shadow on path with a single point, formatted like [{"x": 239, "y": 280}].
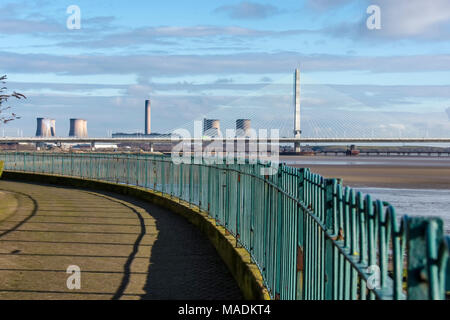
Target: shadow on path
[{"x": 183, "y": 263}]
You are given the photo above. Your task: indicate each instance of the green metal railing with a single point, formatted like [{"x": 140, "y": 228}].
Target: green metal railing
[{"x": 310, "y": 237}]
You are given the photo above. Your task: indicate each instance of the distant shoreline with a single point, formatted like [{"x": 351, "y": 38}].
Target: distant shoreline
[{"x": 410, "y": 176}]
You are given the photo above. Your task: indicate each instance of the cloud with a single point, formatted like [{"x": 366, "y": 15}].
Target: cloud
[
  {"x": 326, "y": 4},
  {"x": 11, "y": 9},
  {"x": 404, "y": 18},
  {"x": 322, "y": 110},
  {"x": 397, "y": 126},
  {"x": 101, "y": 20},
  {"x": 159, "y": 35},
  {"x": 180, "y": 65},
  {"x": 379, "y": 97},
  {"x": 265, "y": 79},
  {"x": 448, "y": 112},
  {"x": 223, "y": 81},
  {"x": 168, "y": 35},
  {"x": 248, "y": 10},
  {"x": 400, "y": 19},
  {"x": 20, "y": 26}
]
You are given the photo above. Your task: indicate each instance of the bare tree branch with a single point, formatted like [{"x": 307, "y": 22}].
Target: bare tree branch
[{"x": 4, "y": 96}]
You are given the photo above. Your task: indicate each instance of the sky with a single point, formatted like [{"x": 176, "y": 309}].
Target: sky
[{"x": 227, "y": 60}]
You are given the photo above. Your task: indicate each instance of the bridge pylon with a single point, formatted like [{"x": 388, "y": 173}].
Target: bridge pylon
[{"x": 297, "y": 130}]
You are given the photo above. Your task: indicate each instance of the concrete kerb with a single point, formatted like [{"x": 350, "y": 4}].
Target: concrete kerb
[{"x": 237, "y": 259}]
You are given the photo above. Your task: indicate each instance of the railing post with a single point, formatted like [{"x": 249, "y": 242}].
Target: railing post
[
  {"x": 252, "y": 209},
  {"x": 279, "y": 238},
  {"x": 329, "y": 248},
  {"x": 300, "y": 233},
  {"x": 71, "y": 164},
  {"x": 191, "y": 183},
  {"x": 423, "y": 238},
  {"x": 128, "y": 169},
  {"x": 146, "y": 171},
  {"x": 209, "y": 189},
  {"x": 162, "y": 172},
  {"x": 62, "y": 164},
  {"x": 137, "y": 170},
  {"x": 99, "y": 161},
  {"x": 80, "y": 159},
  {"x": 180, "y": 190},
  {"x": 199, "y": 184},
  {"x": 238, "y": 208}
]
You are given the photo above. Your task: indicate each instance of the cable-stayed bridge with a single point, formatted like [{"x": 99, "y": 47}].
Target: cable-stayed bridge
[
  {"x": 175, "y": 139},
  {"x": 327, "y": 115}
]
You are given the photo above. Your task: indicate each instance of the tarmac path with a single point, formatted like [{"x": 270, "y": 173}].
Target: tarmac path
[{"x": 125, "y": 248}]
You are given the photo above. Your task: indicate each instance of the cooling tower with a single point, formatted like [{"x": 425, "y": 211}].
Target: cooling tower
[
  {"x": 45, "y": 127},
  {"x": 211, "y": 127},
  {"x": 243, "y": 127},
  {"x": 52, "y": 127},
  {"x": 147, "y": 117},
  {"x": 78, "y": 128}
]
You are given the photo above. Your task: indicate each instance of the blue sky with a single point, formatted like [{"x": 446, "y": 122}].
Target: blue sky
[{"x": 230, "y": 59}]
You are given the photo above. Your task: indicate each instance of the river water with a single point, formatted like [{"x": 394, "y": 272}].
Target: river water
[{"x": 415, "y": 202}]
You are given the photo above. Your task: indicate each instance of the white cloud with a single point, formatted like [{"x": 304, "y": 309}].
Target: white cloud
[
  {"x": 326, "y": 4},
  {"x": 18, "y": 26},
  {"x": 248, "y": 10},
  {"x": 414, "y": 17},
  {"x": 181, "y": 65}
]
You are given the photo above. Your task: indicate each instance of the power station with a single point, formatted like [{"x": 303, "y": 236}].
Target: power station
[
  {"x": 211, "y": 127},
  {"x": 147, "y": 126}
]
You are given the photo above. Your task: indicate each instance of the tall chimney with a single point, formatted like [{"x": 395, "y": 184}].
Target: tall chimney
[
  {"x": 297, "y": 130},
  {"x": 147, "y": 117}
]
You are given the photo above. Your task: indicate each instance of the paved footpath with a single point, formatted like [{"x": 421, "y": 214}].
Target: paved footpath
[{"x": 125, "y": 248}]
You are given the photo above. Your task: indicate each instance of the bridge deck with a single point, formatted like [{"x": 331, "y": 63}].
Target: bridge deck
[{"x": 126, "y": 249}]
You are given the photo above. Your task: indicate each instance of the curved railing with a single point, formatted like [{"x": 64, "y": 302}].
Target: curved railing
[{"x": 310, "y": 237}]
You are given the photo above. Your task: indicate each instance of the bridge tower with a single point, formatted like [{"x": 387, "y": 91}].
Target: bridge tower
[{"x": 297, "y": 131}]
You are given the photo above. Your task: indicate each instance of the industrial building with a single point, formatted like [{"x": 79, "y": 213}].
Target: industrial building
[{"x": 147, "y": 127}]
